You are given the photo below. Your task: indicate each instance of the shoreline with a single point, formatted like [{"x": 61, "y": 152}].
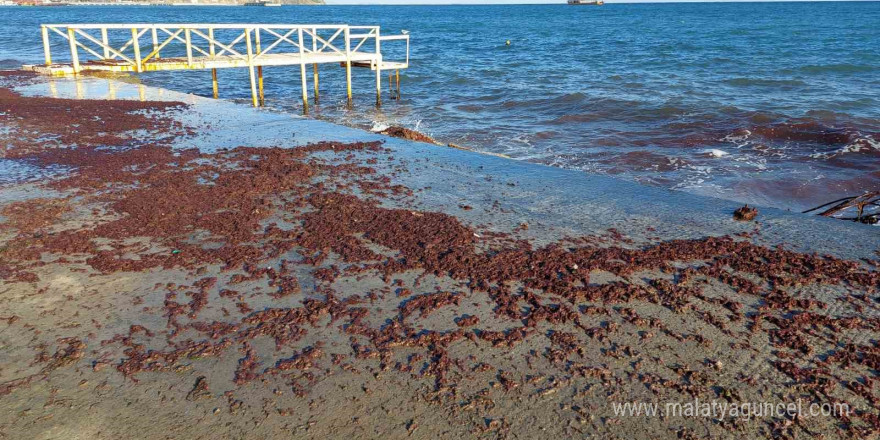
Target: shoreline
[
  {"x": 233, "y": 123},
  {"x": 369, "y": 286}
]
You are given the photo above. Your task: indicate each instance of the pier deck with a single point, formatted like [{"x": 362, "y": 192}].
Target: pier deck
[{"x": 119, "y": 48}]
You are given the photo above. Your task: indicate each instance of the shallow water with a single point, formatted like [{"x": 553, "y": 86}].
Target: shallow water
[{"x": 769, "y": 103}]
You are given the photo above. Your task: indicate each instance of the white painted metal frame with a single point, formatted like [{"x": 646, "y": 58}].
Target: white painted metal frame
[{"x": 282, "y": 44}]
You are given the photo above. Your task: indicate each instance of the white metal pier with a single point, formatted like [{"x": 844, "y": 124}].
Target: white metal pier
[{"x": 121, "y": 48}]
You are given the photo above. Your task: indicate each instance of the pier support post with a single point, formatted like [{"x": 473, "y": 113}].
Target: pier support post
[
  {"x": 378, "y": 84},
  {"x": 106, "y": 42},
  {"x": 213, "y": 71},
  {"x": 378, "y": 69},
  {"x": 74, "y": 53},
  {"x": 260, "y": 86},
  {"x": 259, "y": 68},
  {"x": 397, "y": 73},
  {"x": 137, "y": 49},
  {"x": 250, "y": 60},
  {"x": 47, "y": 50},
  {"x": 348, "y": 62},
  {"x": 315, "y": 69},
  {"x": 189, "y": 47},
  {"x": 210, "y": 43},
  {"x": 305, "y": 88},
  {"x": 155, "y": 42},
  {"x": 315, "y": 65},
  {"x": 214, "y": 83},
  {"x": 348, "y": 80},
  {"x": 302, "y": 71}
]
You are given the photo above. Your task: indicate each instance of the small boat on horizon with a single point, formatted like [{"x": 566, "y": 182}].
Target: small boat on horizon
[
  {"x": 263, "y": 3},
  {"x": 587, "y": 2}
]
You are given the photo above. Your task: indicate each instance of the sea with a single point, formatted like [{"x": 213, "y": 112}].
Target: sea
[{"x": 773, "y": 104}]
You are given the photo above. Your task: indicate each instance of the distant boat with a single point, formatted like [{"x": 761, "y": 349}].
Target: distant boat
[
  {"x": 262, "y": 3},
  {"x": 587, "y": 2}
]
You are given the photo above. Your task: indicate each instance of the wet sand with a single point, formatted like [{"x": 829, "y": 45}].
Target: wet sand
[{"x": 204, "y": 270}]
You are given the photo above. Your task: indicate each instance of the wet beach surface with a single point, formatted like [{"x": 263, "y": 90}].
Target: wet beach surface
[{"x": 199, "y": 269}]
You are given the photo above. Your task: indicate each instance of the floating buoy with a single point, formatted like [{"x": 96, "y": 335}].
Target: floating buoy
[{"x": 507, "y": 42}]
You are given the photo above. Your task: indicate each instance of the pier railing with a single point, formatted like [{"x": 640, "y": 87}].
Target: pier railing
[
  {"x": 180, "y": 46},
  {"x": 125, "y": 45}
]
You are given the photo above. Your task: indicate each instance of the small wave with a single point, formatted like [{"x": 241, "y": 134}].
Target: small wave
[
  {"x": 763, "y": 117},
  {"x": 9, "y": 63},
  {"x": 739, "y": 137},
  {"x": 837, "y": 68},
  {"x": 860, "y": 145},
  {"x": 470, "y": 108},
  {"x": 807, "y": 131},
  {"x": 571, "y": 97},
  {"x": 669, "y": 110},
  {"x": 568, "y": 102},
  {"x": 763, "y": 82},
  {"x": 641, "y": 160},
  {"x": 543, "y": 135},
  {"x": 577, "y": 118},
  {"x": 826, "y": 116}
]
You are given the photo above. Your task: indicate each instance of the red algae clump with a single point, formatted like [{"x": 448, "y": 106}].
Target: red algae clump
[{"x": 745, "y": 213}]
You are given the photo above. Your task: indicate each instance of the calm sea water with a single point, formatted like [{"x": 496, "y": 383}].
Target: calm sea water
[{"x": 769, "y": 103}]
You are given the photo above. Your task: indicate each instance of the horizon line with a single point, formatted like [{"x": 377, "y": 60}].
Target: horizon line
[{"x": 562, "y": 2}]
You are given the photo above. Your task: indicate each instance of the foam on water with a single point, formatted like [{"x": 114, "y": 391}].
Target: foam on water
[
  {"x": 714, "y": 152},
  {"x": 860, "y": 145},
  {"x": 376, "y": 126}
]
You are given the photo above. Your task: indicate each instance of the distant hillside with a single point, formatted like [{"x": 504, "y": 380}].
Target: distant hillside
[
  {"x": 301, "y": 2},
  {"x": 160, "y": 2}
]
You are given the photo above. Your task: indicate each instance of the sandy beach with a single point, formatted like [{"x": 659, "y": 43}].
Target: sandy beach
[{"x": 178, "y": 267}]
